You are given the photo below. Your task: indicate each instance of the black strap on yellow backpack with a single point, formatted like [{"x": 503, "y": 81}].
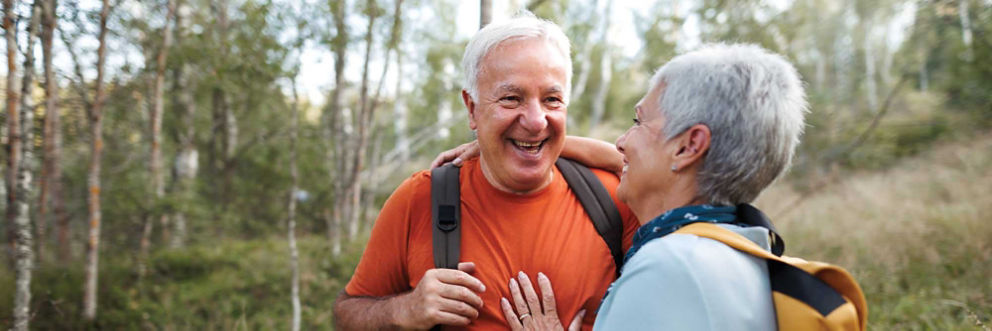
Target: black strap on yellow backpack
[
  {"x": 808, "y": 295},
  {"x": 595, "y": 199}
]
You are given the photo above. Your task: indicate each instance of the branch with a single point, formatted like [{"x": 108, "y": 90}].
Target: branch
[{"x": 80, "y": 87}]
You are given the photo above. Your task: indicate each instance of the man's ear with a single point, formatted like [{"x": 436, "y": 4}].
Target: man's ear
[
  {"x": 693, "y": 145},
  {"x": 470, "y": 105}
]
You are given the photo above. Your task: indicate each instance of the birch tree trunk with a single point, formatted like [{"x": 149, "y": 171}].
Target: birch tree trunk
[
  {"x": 353, "y": 191},
  {"x": 294, "y": 263},
  {"x": 334, "y": 133},
  {"x": 585, "y": 58},
  {"x": 224, "y": 137},
  {"x": 605, "y": 70},
  {"x": 187, "y": 159},
  {"x": 400, "y": 113},
  {"x": 14, "y": 144},
  {"x": 51, "y": 178},
  {"x": 18, "y": 177},
  {"x": 27, "y": 132},
  {"x": 155, "y": 128},
  {"x": 966, "y": 33},
  {"x": 485, "y": 13},
  {"x": 95, "y": 115},
  {"x": 872, "y": 93}
]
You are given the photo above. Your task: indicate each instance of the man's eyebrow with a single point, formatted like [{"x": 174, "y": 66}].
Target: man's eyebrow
[
  {"x": 554, "y": 89},
  {"x": 509, "y": 88}
]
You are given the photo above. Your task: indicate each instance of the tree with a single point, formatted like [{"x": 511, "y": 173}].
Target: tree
[
  {"x": 95, "y": 116},
  {"x": 155, "y": 129},
  {"x": 294, "y": 255},
  {"x": 13, "y": 122},
  {"x": 334, "y": 133},
  {"x": 485, "y": 13},
  {"x": 50, "y": 181}
]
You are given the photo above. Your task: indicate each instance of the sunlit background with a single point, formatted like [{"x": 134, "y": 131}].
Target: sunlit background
[{"x": 891, "y": 181}]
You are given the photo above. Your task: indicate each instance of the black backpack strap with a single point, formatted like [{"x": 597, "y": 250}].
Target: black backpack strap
[
  {"x": 598, "y": 204},
  {"x": 446, "y": 216},
  {"x": 748, "y": 214}
]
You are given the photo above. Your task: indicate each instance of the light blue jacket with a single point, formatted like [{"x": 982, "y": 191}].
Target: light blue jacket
[{"x": 684, "y": 282}]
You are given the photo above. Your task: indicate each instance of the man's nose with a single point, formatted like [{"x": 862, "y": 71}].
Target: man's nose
[{"x": 534, "y": 118}]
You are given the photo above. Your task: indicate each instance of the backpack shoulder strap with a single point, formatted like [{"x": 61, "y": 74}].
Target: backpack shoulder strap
[
  {"x": 598, "y": 204},
  {"x": 822, "y": 286},
  {"x": 446, "y": 216}
]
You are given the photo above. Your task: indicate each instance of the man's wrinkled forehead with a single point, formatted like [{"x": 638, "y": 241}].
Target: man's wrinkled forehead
[{"x": 513, "y": 88}]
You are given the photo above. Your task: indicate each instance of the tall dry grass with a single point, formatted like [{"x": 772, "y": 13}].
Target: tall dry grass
[{"x": 918, "y": 236}]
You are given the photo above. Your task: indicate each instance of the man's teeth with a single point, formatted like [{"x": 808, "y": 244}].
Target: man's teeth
[
  {"x": 625, "y": 167},
  {"x": 526, "y": 144}
]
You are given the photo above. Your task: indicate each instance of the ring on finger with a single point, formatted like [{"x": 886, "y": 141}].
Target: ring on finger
[{"x": 523, "y": 316}]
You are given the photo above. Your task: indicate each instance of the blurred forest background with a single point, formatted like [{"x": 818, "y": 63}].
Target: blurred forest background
[{"x": 173, "y": 164}]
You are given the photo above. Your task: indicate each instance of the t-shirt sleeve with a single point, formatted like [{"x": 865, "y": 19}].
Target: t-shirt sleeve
[{"x": 382, "y": 269}]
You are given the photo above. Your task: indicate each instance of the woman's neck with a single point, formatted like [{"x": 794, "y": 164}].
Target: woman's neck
[{"x": 684, "y": 193}]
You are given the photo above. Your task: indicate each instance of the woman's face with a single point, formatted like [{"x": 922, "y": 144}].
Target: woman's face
[{"x": 647, "y": 156}]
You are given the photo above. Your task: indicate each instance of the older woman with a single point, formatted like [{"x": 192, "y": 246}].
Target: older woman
[{"x": 717, "y": 126}]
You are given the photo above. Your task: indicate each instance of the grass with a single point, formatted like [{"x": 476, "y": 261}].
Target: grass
[{"x": 917, "y": 236}]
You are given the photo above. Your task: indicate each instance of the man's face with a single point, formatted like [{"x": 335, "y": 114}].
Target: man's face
[{"x": 520, "y": 113}]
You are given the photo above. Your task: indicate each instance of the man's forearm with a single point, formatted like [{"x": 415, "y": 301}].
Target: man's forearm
[{"x": 365, "y": 313}]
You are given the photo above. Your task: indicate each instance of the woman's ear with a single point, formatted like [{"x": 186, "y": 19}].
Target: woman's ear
[{"x": 693, "y": 145}]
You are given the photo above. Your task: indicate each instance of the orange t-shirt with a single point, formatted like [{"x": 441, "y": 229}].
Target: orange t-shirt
[{"x": 503, "y": 233}]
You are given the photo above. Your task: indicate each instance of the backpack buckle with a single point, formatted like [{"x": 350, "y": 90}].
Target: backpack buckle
[{"x": 446, "y": 220}]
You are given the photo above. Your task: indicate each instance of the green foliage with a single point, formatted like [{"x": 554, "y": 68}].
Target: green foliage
[{"x": 224, "y": 284}]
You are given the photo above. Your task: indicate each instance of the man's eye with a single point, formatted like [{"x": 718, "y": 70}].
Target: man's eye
[
  {"x": 510, "y": 99},
  {"x": 552, "y": 99},
  {"x": 637, "y": 121}
]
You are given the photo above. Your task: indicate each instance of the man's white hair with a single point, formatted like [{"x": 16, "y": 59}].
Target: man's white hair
[
  {"x": 523, "y": 25},
  {"x": 754, "y": 104}
]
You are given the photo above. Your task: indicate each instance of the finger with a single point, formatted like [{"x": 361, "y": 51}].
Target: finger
[
  {"x": 447, "y": 318},
  {"x": 576, "y": 324},
  {"x": 461, "y": 294},
  {"x": 467, "y": 267},
  {"x": 457, "y": 162},
  {"x": 458, "y": 277},
  {"x": 472, "y": 150},
  {"x": 547, "y": 294},
  {"x": 533, "y": 301},
  {"x": 518, "y": 298},
  {"x": 440, "y": 159},
  {"x": 511, "y": 318},
  {"x": 460, "y": 308}
]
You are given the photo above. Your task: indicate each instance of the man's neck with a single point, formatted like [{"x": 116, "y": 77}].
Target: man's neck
[{"x": 487, "y": 173}]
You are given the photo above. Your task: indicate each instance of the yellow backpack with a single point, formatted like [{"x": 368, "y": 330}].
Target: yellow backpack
[{"x": 808, "y": 295}]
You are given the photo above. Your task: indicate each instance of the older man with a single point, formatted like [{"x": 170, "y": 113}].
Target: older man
[{"x": 518, "y": 213}]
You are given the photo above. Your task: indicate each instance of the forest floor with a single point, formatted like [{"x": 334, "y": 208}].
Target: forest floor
[{"x": 913, "y": 236}]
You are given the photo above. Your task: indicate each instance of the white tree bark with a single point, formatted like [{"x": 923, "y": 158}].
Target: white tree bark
[
  {"x": 585, "y": 60},
  {"x": 966, "y": 33},
  {"x": 400, "y": 113},
  {"x": 870, "y": 84},
  {"x": 605, "y": 69},
  {"x": 294, "y": 263},
  {"x": 95, "y": 115}
]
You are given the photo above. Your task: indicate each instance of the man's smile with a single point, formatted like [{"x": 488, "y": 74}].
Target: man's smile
[{"x": 532, "y": 147}]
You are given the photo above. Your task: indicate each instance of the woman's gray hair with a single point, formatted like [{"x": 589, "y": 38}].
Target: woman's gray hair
[
  {"x": 754, "y": 105},
  {"x": 523, "y": 25}
]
